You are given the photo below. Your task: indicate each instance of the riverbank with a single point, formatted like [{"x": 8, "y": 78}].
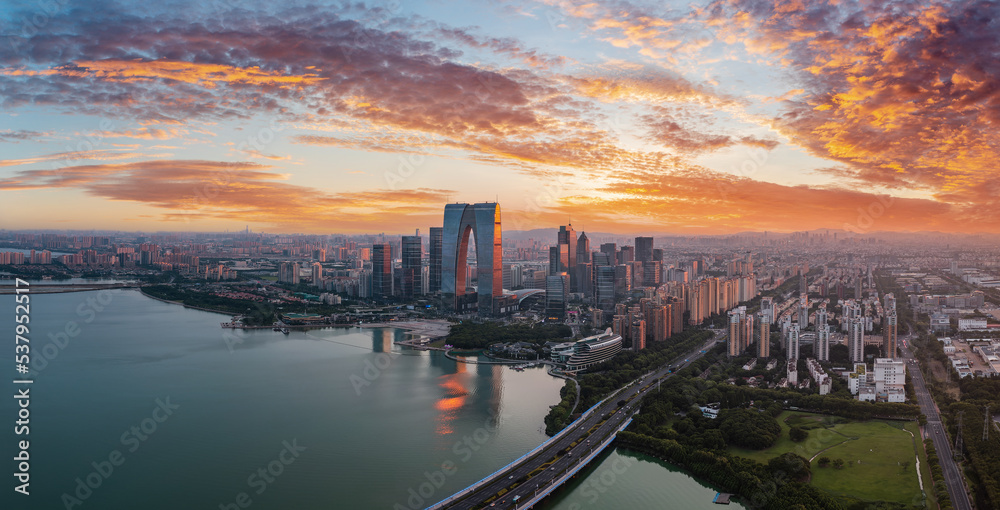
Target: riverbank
[{"x": 144, "y": 293}]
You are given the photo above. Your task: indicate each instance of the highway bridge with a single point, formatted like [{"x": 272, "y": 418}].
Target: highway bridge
[{"x": 529, "y": 479}]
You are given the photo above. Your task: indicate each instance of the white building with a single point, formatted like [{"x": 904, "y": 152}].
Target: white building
[{"x": 971, "y": 324}]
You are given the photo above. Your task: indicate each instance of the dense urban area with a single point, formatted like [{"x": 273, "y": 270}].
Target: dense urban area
[{"x": 825, "y": 340}]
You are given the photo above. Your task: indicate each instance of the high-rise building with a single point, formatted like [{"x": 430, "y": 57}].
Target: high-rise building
[
  {"x": 559, "y": 259},
  {"x": 626, "y": 255},
  {"x": 567, "y": 237},
  {"x": 644, "y": 249},
  {"x": 381, "y": 271},
  {"x": 737, "y": 340},
  {"x": 855, "y": 332},
  {"x": 792, "y": 342},
  {"x": 803, "y": 311},
  {"x": 582, "y": 249},
  {"x": 436, "y": 246},
  {"x": 623, "y": 280},
  {"x": 767, "y": 309},
  {"x": 764, "y": 342},
  {"x": 890, "y": 324},
  {"x": 556, "y": 296},
  {"x": 288, "y": 272},
  {"x": 482, "y": 221},
  {"x": 413, "y": 258},
  {"x": 822, "y": 348},
  {"x": 638, "y": 332},
  {"x": 317, "y": 274},
  {"x": 604, "y": 287},
  {"x": 611, "y": 250}
]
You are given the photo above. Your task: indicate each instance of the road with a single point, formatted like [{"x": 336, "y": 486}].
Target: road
[
  {"x": 570, "y": 449},
  {"x": 935, "y": 429}
]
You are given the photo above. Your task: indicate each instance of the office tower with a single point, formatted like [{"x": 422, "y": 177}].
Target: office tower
[
  {"x": 803, "y": 284},
  {"x": 288, "y": 272},
  {"x": 822, "y": 348},
  {"x": 317, "y": 274},
  {"x": 764, "y": 342},
  {"x": 567, "y": 237},
  {"x": 651, "y": 273},
  {"x": 644, "y": 249},
  {"x": 413, "y": 258},
  {"x": 482, "y": 221},
  {"x": 585, "y": 278},
  {"x": 436, "y": 245},
  {"x": 626, "y": 255},
  {"x": 381, "y": 271},
  {"x": 623, "y": 280},
  {"x": 604, "y": 287},
  {"x": 558, "y": 259},
  {"x": 792, "y": 342},
  {"x": 658, "y": 255},
  {"x": 582, "y": 249},
  {"x": 611, "y": 250},
  {"x": 556, "y": 296}
]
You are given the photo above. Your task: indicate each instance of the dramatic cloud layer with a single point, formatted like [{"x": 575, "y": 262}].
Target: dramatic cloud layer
[{"x": 894, "y": 104}]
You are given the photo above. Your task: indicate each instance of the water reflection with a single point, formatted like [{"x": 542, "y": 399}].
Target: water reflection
[
  {"x": 454, "y": 399},
  {"x": 382, "y": 339}
]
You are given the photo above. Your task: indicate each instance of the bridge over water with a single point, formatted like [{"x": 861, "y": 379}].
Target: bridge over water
[{"x": 529, "y": 479}]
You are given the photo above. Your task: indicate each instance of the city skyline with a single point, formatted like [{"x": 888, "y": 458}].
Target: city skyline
[{"x": 655, "y": 119}]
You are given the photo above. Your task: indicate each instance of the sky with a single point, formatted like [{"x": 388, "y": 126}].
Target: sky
[{"x": 660, "y": 117}]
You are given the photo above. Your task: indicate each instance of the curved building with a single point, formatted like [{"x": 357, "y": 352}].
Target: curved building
[
  {"x": 483, "y": 221},
  {"x": 594, "y": 349}
]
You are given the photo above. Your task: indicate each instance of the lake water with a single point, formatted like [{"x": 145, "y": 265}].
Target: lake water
[{"x": 157, "y": 407}]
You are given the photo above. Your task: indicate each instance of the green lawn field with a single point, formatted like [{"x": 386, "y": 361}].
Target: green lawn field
[{"x": 879, "y": 456}]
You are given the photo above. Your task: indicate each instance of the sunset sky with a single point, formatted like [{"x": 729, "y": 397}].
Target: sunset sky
[{"x": 670, "y": 117}]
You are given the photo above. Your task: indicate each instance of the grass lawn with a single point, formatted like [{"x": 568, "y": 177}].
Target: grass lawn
[
  {"x": 882, "y": 448},
  {"x": 880, "y": 464},
  {"x": 822, "y": 434}
]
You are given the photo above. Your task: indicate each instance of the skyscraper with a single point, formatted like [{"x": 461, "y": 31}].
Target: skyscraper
[
  {"x": 567, "y": 236},
  {"x": 855, "y": 332},
  {"x": 288, "y": 272},
  {"x": 644, "y": 249},
  {"x": 582, "y": 249},
  {"x": 436, "y": 240},
  {"x": 558, "y": 259},
  {"x": 890, "y": 324},
  {"x": 413, "y": 255},
  {"x": 317, "y": 274},
  {"x": 792, "y": 342},
  {"x": 822, "y": 349},
  {"x": 556, "y": 296},
  {"x": 764, "y": 342},
  {"x": 381, "y": 271},
  {"x": 483, "y": 221}
]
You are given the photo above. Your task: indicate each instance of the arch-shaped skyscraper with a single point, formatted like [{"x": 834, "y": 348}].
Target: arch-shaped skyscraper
[{"x": 482, "y": 221}]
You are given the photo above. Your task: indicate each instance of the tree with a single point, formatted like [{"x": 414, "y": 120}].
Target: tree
[
  {"x": 824, "y": 461},
  {"x": 838, "y": 463},
  {"x": 797, "y": 434},
  {"x": 794, "y": 466},
  {"x": 749, "y": 428}
]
